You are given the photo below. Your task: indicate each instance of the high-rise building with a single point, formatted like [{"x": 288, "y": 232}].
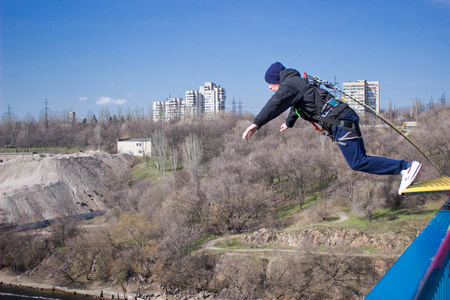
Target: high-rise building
[
  {"x": 174, "y": 109},
  {"x": 367, "y": 92},
  {"x": 214, "y": 98},
  {"x": 158, "y": 109},
  {"x": 72, "y": 116},
  {"x": 195, "y": 104}
]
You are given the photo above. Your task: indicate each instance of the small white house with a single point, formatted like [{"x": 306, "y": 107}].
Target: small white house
[{"x": 136, "y": 147}]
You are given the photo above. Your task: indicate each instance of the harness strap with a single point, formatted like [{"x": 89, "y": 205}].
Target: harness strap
[
  {"x": 344, "y": 124},
  {"x": 316, "y": 127},
  {"x": 324, "y": 121},
  {"x": 317, "y": 103}
]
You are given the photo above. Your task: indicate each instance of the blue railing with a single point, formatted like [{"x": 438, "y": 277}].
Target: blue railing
[{"x": 423, "y": 271}]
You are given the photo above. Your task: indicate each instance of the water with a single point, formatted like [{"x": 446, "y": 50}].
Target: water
[{"x": 9, "y": 292}]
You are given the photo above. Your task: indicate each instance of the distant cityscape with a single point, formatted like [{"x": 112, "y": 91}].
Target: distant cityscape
[{"x": 208, "y": 101}]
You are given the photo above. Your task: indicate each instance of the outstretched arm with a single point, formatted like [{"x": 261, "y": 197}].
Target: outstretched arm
[{"x": 250, "y": 131}]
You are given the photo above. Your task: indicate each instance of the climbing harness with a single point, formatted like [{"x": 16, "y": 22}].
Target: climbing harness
[
  {"x": 316, "y": 81},
  {"x": 325, "y": 122},
  {"x": 324, "y": 115}
]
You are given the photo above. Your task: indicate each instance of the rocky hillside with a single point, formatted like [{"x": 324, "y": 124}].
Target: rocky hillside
[
  {"x": 51, "y": 186},
  {"x": 384, "y": 241}
]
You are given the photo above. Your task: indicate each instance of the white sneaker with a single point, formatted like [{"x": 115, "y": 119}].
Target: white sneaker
[{"x": 409, "y": 175}]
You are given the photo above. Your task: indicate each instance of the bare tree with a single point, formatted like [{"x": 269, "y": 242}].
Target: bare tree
[
  {"x": 297, "y": 167},
  {"x": 137, "y": 236},
  {"x": 236, "y": 202},
  {"x": 290, "y": 277},
  {"x": 336, "y": 274},
  {"x": 367, "y": 200},
  {"x": 173, "y": 158},
  {"x": 8, "y": 130},
  {"x": 160, "y": 150},
  {"x": 192, "y": 151},
  {"x": 21, "y": 252},
  {"x": 240, "y": 277}
]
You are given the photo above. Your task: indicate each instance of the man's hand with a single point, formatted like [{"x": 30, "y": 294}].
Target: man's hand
[
  {"x": 283, "y": 127},
  {"x": 249, "y": 131}
]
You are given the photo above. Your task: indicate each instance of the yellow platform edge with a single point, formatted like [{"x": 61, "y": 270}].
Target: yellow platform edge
[{"x": 432, "y": 186}]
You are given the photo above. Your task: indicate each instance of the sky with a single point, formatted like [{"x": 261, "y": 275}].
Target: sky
[{"x": 89, "y": 55}]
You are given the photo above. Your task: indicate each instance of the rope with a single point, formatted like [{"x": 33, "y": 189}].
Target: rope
[{"x": 345, "y": 95}]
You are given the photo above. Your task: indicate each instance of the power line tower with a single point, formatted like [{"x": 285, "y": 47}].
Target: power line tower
[
  {"x": 443, "y": 100},
  {"x": 240, "y": 106},
  {"x": 233, "y": 107},
  {"x": 9, "y": 114},
  {"x": 46, "y": 109}
]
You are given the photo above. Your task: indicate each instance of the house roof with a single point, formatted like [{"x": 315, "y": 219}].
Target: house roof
[{"x": 135, "y": 140}]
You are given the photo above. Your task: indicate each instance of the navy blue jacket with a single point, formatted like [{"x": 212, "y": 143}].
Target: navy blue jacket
[{"x": 294, "y": 92}]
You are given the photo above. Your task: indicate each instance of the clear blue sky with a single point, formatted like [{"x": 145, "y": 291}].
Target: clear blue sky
[{"x": 87, "y": 55}]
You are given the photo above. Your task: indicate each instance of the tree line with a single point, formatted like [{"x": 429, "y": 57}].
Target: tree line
[{"x": 213, "y": 183}]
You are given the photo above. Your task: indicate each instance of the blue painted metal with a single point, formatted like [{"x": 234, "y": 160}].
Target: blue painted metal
[{"x": 423, "y": 271}]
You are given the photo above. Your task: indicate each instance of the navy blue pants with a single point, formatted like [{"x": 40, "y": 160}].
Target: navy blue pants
[{"x": 355, "y": 153}]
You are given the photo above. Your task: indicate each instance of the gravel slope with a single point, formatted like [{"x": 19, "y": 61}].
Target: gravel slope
[{"x": 50, "y": 186}]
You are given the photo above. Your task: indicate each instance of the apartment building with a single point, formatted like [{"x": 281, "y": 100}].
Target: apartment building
[
  {"x": 174, "y": 109},
  {"x": 195, "y": 104},
  {"x": 367, "y": 92},
  {"x": 158, "y": 109},
  {"x": 214, "y": 97}
]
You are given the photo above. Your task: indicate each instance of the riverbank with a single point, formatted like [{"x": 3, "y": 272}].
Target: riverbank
[{"x": 95, "y": 290}]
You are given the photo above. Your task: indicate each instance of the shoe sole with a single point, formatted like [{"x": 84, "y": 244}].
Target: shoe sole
[
  {"x": 415, "y": 174},
  {"x": 413, "y": 178}
]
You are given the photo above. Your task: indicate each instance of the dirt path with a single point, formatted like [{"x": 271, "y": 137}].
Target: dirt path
[
  {"x": 211, "y": 245},
  {"x": 342, "y": 216}
]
